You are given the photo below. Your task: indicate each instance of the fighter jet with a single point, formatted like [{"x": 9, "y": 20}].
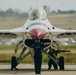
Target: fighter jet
[{"x": 37, "y": 29}]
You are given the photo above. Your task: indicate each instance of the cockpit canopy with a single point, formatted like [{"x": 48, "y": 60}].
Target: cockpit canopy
[{"x": 37, "y": 14}]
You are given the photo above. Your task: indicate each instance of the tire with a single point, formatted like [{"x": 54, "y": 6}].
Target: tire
[
  {"x": 13, "y": 63},
  {"x": 55, "y": 66},
  {"x": 61, "y": 63}
]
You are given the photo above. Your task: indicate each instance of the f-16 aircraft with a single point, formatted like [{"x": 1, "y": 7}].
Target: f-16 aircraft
[{"x": 37, "y": 37}]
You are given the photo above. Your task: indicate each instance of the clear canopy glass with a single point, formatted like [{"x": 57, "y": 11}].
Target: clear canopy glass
[{"x": 37, "y": 14}]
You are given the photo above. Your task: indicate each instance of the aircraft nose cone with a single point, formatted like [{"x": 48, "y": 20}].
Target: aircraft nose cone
[{"x": 37, "y": 33}]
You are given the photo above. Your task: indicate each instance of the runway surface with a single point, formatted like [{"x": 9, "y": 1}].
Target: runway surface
[{"x": 28, "y": 69}]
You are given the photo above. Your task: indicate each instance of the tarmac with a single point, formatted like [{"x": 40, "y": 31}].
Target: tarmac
[{"x": 28, "y": 69}]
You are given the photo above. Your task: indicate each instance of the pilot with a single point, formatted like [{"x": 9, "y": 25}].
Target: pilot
[
  {"x": 52, "y": 53},
  {"x": 34, "y": 15},
  {"x": 37, "y": 46}
]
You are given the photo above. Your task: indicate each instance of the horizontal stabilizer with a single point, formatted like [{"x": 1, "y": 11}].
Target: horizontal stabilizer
[
  {"x": 66, "y": 35},
  {"x": 8, "y": 35}
]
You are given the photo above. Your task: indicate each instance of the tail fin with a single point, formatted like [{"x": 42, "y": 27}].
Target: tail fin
[{"x": 37, "y": 3}]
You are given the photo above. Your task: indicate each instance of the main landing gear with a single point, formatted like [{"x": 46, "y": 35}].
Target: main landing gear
[
  {"x": 61, "y": 63},
  {"x": 53, "y": 59},
  {"x": 13, "y": 63}
]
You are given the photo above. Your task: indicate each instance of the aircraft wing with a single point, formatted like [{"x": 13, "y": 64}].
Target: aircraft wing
[
  {"x": 59, "y": 30},
  {"x": 12, "y": 32},
  {"x": 17, "y": 30},
  {"x": 62, "y": 33},
  {"x": 53, "y": 29}
]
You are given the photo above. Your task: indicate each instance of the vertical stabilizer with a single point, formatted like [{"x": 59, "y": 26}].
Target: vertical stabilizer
[{"x": 37, "y": 3}]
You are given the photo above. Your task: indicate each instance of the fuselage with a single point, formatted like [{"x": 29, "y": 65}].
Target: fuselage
[
  {"x": 38, "y": 26},
  {"x": 38, "y": 29}
]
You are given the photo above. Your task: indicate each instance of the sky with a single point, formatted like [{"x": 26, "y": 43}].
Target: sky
[{"x": 25, "y": 5}]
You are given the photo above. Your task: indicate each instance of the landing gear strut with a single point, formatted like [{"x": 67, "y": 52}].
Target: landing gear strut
[
  {"x": 52, "y": 54},
  {"x": 15, "y": 61}
]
